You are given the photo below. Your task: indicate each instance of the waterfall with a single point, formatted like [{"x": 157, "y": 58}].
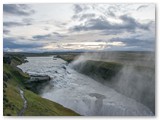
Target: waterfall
[{"x": 80, "y": 92}]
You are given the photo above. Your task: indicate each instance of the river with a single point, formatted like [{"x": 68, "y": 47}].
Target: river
[{"x": 79, "y": 92}]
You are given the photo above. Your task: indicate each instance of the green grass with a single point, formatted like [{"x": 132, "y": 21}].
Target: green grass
[
  {"x": 17, "y": 77},
  {"x": 15, "y": 103},
  {"x": 12, "y": 101},
  {"x": 38, "y": 106}
]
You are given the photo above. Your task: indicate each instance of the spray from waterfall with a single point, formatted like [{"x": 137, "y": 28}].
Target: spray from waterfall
[{"x": 136, "y": 79}]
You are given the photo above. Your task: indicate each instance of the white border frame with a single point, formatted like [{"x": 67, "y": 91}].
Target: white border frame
[{"x": 157, "y": 2}]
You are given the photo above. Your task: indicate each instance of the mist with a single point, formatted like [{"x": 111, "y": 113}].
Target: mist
[{"x": 136, "y": 78}]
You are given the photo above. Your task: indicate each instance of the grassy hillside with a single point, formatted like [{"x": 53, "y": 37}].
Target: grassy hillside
[{"x": 13, "y": 79}]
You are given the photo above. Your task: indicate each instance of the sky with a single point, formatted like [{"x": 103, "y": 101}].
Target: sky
[{"x": 78, "y": 27}]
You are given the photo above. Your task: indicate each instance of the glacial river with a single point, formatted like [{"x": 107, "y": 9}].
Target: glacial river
[{"x": 79, "y": 92}]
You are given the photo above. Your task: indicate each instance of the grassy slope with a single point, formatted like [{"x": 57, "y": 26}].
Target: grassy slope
[
  {"x": 15, "y": 103},
  {"x": 40, "y": 106},
  {"x": 14, "y": 78}
]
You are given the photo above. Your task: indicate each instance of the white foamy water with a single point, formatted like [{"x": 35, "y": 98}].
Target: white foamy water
[{"x": 79, "y": 92}]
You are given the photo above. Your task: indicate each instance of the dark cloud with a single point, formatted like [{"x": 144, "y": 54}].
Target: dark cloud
[
  {"x": 56, "y": 33},
  {"x": 78, "y": 8},
  {"x": 12, "y": 43},
  {"x": 12, "y": 24},
  {"x": 27, "y": 20},
  {"x": 6, "y": 31},
  {"x": 111, "y": 11},
  {"x": 129, "y": 24},
  {"x": 142, "y": 6},
  {"x": 111, "y": 32},
  {"x": 59, "y": 35},
  {"x": 136, "y": 43},
  {"x": 99, "y": 40},
  {"x": 51, "y": 36},
  {"x": 59, "y": 24},
  {"x": 17, "y": 9},
  {"x": 84, "y": 16},
  {"x": 42, "y": 37},
  {"x": 75, "y": 16},
  {"x": 15, "y": 24}
]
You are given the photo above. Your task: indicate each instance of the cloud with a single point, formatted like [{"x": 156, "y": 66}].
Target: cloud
[
  {"x": 59, "y": 35},
  {"x": 41, "y": 37},
  {"x": 12, "y": 24},
  {"x": 105, "y": 23},
  {"x": 135, "y": 43},
  {"x": 141, "y": 7},
  {"x": 6, "y": 31},
  {"x": 51, "y": 36},
  {"x": 84, "y": 45},
  {"x": 27, "y": 20},
  {"x": 17, "y": 9},
  {"x": 99, "y": 40},
  {"x": 111, "y": 32},
  {"x": 83, "y": 16},
  {"x": 76, "y": 46},
  {"x": 24, "y": 22},
  {"x": 79, "y": 8},
  {"x": 46, "y": 28},
  {"x": 131, "y": 23},
  {"x": 13, "y": 43},
  {"x": 110, "y": 11},
  {"x": 128, "y": 24},
  {"x": 15, "y": 24}
]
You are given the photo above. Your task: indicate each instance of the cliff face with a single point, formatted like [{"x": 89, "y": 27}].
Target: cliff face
[
  {"x": 13, "y": 80},
  {"x": 98, "y": 70}
]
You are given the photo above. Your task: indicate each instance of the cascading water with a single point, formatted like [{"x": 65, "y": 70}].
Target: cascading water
[
  {"x": 134, "y": 78},
  {"x": 79, "y": 92}
]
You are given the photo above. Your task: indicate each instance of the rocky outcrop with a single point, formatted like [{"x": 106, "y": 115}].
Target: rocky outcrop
[
  {"x": 39, "y": 78},
  {"x": 37, "y": 82}
]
